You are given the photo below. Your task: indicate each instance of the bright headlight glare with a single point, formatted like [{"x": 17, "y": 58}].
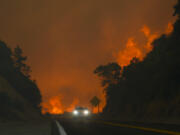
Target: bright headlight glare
[
  {"x": 86, "y": 112},
  {"x": 75, "y": 112}
]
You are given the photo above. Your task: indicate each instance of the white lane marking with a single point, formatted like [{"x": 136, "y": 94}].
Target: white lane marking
[{"x": 61, "y": 129}]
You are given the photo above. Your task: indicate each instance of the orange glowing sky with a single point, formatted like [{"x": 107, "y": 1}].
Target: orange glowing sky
[{"x": 65, "y": 40}]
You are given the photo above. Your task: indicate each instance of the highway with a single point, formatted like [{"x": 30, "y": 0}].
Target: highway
[{"x": 95, "y": 127}]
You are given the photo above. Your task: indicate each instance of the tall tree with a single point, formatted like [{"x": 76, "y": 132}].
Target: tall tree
[
  {"x": 6, "y": 62},
  {"x": 20, "y": 61},
  {"x": 95, "y": 101},
  {"x": 146, "y": 87},
  {"x": 14, "y": 69},
  {"x": 109, "y": 73}
]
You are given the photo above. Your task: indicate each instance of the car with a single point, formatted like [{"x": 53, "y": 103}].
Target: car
[{"x": 81, "y": 112}]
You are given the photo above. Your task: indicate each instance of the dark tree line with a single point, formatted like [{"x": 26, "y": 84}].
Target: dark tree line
[
  {"x": 146, "y": 88},
  {"x": 14, "y": 69}
]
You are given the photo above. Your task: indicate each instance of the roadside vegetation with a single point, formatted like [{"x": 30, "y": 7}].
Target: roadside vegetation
[
  {"x": 18, "y": 92},
  {"x": 149, "y": 88}
]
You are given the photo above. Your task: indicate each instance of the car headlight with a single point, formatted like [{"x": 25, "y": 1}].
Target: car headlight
[
  {"x": 86, "y": 112},
  {"x": 75, "y": 112}
]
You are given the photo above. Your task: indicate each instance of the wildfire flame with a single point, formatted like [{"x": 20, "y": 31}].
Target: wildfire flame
[
  {"x": 54, "y": 106},
  {"x": 169, "y": 28},
  {"x": 132, "y": 49},
  {"x": 150, "y": 37},
  {"x": 123, "y": 57}
]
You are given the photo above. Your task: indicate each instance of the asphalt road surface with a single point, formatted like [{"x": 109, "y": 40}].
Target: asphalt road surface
[{"x": 95, "y": 127}]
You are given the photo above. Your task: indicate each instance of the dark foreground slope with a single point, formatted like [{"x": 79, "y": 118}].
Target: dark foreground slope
[{"x": 13, "y": 106}]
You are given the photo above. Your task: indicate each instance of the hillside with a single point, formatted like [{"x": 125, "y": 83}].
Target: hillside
[
  {"x": 13, "y": 105},
  {"x": 148, "y": 88}
]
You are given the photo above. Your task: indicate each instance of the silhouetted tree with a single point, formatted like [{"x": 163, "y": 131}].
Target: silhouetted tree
[
  {"x": 17, "y": 73},
  {"x": 20, "y": 61},
  {"x": 110, "y": 76},
  {"x": 109, "y": 73},
  {"x": 150, "y": 87},
  {"x": 95, "y": 101},
  {"x": 6, "y": 62}
]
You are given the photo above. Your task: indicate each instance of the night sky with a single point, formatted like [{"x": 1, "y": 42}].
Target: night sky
[{"x": 65, "y": 40}]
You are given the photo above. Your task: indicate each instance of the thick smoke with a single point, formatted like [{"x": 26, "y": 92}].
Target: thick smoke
[{"x": 67, "y": 40}]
